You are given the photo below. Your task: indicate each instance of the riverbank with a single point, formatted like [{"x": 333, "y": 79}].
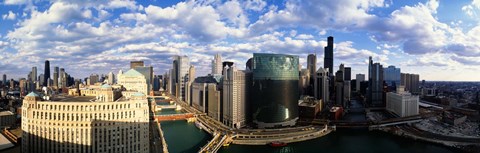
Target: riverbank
[{"x": 412, "y": 133}]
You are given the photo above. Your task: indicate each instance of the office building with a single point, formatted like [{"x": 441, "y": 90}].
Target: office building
[
  {"x": 111, "y": 78},
  {"x": 4, "y": 79},
  {"x": 46, "y": 74},
  {"x": 188, "y": 84},
  {"x": 402, "y": 102},
  {"x": 375, "y": 87},
  {"x": 217, "y": 65},
  {"x": 275, "y": 90},
  {"x": 359, "y": 79},
  {"x": 235, "y": 94},
  {"x": 134, "y": 64},
  {"x": 304, "y": 81},
  {"x": 215, "y": 106},
  {"x": 348, "y": 74},
  {"x": 200, "y": 92},
  {"x": 391, "y": 75},
  {"x": 146, "y": 71},
  {"x": 180, "y": 70},
  {"x": 34, "y": 75},
  {"x": 321, "y": 85},
  {"x": 328, "y": 59},
  {"x": 342, "y": 88},
  {"x": 133, "y": 80},
  {"x": 308, "y": 107},
  {"x": 87, "y": 124},
  {"x": 312, "y": 68},
  {"x": 55, "y": 77},
  {"x": 411, "y": 82}
]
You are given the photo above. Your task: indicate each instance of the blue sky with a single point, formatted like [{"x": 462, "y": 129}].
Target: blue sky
[{"x": 440, "y": 40}]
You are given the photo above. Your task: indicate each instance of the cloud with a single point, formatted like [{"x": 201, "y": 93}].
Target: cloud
[
  {"x": 9, "y": 16},
  {"x": 255, "y": 5}
]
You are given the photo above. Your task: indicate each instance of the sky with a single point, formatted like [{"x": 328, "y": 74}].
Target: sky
[{"x": 440, "y": 40}]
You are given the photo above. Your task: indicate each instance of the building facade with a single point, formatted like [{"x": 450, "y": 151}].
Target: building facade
[
  {"x": 402, "y": 103},
  {"x": 275, "y": 90},
  {"x": 328, "y": 59},
  {"x": 375, "y": 84},
  {"x": 85, "y": 126},
  {"x": 217, "y": 64},
  {"x": 321, "y": 85},
  {"x": 411, "y": 82},
  {"x": 359, "y": 79},
  {"x": 134, "y": 81},
  {"x": 235, "y": 94},
  {"x": 391, "y": 75}
]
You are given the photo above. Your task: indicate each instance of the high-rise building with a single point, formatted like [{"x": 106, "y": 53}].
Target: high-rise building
[
  {"x": 359, "y": 79},
  {"x": 304, "y": 82},
  {"x": 248, "y": 65},
  {"x": 55, "y": 77},
  {"x": 188, "y": 84},
  {"x": 46, "y": 74},
  {"x": 181, "y": 67},
  {"x": 134, "y": 81},
  {"x": 90, "y": 126},
  {"x": 411, "y": 82},
  {"x": 375, "y": 84},
  {"x": 217, "y": 64},
  {"x": 215, "y": 107},
  {"x": 94, "y": 78},
  {"x": 391, "y": 75},
  {"x": 200, "y": 97},
  {"x": 402, "y": 103},
  {"x": 348, "y": 74},
  {"x": 34, "y": 74},
  {"x": 134, "y": 64},
  {"x": 328, "y": 59},
  {"x": 312, "y": 68},
  {"x": 111, "y": 78},
  {"x": 342, "y": 88},
  {"x": 235, "y": 94},
  {"x": 275, "y": 90},
  {"x": 62, "y": 83},
  {"x": 41, "y": 79},
  {"x": 4, "y": 80},
  {"x": 321, "y": 85}
]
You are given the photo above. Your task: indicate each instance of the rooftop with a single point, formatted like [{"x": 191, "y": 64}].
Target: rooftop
[{"x": 3, "y": 113}]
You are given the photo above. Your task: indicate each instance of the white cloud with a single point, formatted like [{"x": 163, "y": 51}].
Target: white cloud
[
  {"x": 304, "y": 36},
  {"x": 255, "y": 5},
  {"x": 9, "y": 16},
  {"x": 15, "y": 2}
]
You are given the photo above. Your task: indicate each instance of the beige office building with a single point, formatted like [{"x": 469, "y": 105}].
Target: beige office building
[
  {"x": 87, "y": 124},
  {"x": 134, "y": 81}
]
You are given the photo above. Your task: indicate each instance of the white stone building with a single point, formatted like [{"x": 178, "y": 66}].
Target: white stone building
[{"x": 402, "y": 103}]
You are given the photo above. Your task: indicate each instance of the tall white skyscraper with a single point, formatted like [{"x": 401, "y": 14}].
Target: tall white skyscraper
[
  {"x": 181, "y": 68},
  {"x": 321, "y": 85},
  {"x": 217, "y": 64}
]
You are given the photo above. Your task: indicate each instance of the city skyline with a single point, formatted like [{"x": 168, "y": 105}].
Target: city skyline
[{"x": 98, "y": 37}]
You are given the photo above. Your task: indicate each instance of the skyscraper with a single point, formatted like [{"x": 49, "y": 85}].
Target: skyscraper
[
  {"x": 348, "y": 74},
  {"x": 275, "y": 90},
  {"x": 188, "y": 84},
  {"x": 342, "y": 88},
  {"x": 55, "y": 77},
  {"x": 134, "y": 64},
  {"x": 328, "y": 59},
  {"x": 33, "y": 76},
  {"x": 62, "y": 78},
  {"x": 321, "y": 84},
  {"x": 375, "y": 84},
  {"x": 217, "y": 64},
  {"x": 359, "y": 79},
  {"x": 111, "y": 78},
  {"x": 235, "y": 94},
  {"x": 46, "y": 74},
  {"x": 411, "y": 82},
  {"x": 391, "y": 76},
  {"x": 4, "y": 80},
  {"x": 312, "y": 68},
  {"x": 181, "y": 65}
]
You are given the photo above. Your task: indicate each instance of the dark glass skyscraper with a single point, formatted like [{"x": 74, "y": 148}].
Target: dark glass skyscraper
[
  {"x": 275, "y": 90},
  {"x": 46, "y": 74},
  {"x": 328, "y": 59},
  {"x": 375, "y": 84}
]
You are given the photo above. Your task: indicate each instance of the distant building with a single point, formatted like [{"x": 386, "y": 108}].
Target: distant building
[
  {"x": 46, "y": 74},
  {"x": 55, "y": 77},
  {"x": 342, "y": 88},
  {"x": 275, "y": 90},
  {"x": 180, "y": 70},
  {"x": 411, "y": 82},
  {"x": 348, "y": 74},
  {"x": 304, "y": 81},
  {"x": 321, "y": 85},
  {"x": 402, "y": 103},
  {"x": 111, "y": 78},
  {"x": 391, "y": 75},
  {"x": 375, "y": 87},
  {"x": 134, "y": 64},
  {"x": 235, "y": 94},
  {"x": 217, "y": 64},
  {"x": 134, "y": 81},
  {"x": 94, "y": 78},
  {"x": 34, "y": 75},
  {"x": 328, "y": 59},
  {"x": 359, "y": 78},
  {"x": 312, "y": 69},
  {"x": 4, "y": 80},
  {"x": 453, "y": 118},
  {"x": 214, "y": 102},
  {"x": 86, "y": 124},
  {"x": 200, "y": 92},
  {"x": 7, "y": 118}
]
